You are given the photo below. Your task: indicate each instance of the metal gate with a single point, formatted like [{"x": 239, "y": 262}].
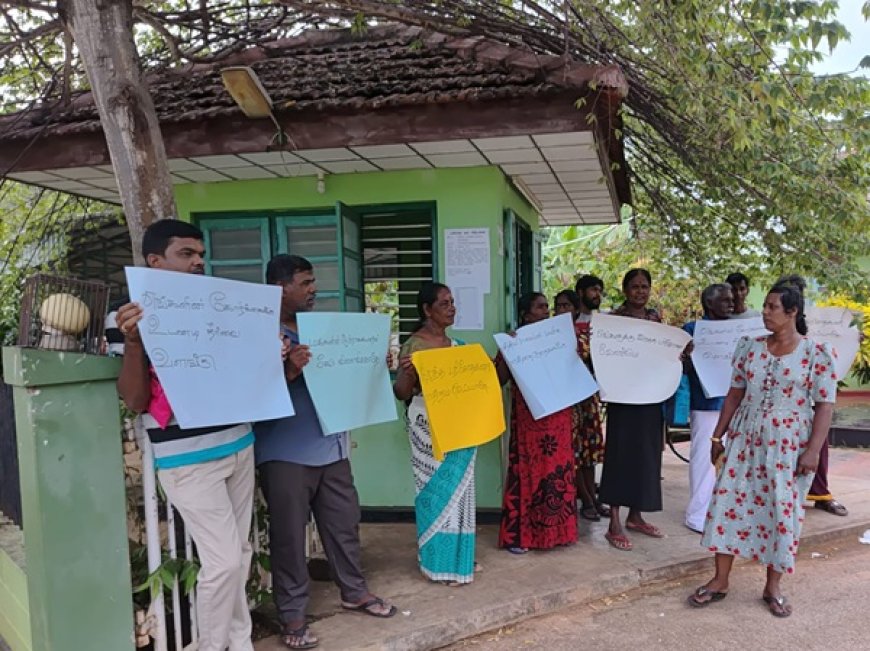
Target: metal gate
[{"x": 10, "y": 487}]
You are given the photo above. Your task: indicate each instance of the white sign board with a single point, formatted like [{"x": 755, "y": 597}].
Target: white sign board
[
  {"x": 830, "y": 325},
  {"x": 636, "y": 362},
  {"x": 467, "y": 273},
  {"x": 715, "y": 342},
  {"x": 543, "y": 360},
  {"x": 214, "y": 344},
  {"x": 347, "y": 375}
]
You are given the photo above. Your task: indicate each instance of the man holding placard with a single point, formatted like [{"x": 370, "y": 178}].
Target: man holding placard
[
  {"x": 303, "y": 470},
  {"x": 718, "y": 305},
  {"x": 207, "y": 472}
]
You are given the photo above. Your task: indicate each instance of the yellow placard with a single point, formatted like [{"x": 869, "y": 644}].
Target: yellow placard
[{"x": 462, "y": 395}]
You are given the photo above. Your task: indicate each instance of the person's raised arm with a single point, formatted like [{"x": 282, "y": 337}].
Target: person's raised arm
[
  {"x": 501, "y": 369},
  {"x": 134, "y": 382},
  {"x": 406, "y": 379},
  {"x": 295, "y": 360}
]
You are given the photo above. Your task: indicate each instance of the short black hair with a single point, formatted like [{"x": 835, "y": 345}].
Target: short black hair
[
  {"x": 737, "y": 277},
  {"x": 586, "y": 281},
  {"x": 284, "y": 266},
  {"x": 158, "y": 235}
]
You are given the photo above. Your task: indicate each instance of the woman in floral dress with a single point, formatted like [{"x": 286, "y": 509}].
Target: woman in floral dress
[
  {"x": 776, "y": 415},
  {"x": 539, "y": 510}
]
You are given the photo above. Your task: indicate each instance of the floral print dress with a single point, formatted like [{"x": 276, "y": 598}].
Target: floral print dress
[
  {"x": 539, "y": 510},
  {"x": 757, "y": 505}
]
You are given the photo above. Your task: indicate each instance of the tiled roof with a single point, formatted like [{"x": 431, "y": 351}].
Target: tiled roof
[{"x": 333, "y": 70}]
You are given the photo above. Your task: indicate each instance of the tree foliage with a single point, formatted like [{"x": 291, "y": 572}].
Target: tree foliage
[
  {"x": 34, "y": 237},
  {"x": 739, "y": 155}
]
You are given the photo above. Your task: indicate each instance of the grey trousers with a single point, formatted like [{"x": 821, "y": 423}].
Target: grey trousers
[{"x": 292, "y": 492}]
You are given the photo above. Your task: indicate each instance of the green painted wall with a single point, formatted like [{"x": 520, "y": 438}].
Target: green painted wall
[
  {"x": 464, "y": 198},
  {"x": 72, "y": 496},
  {"x": 14, "y": 611}
]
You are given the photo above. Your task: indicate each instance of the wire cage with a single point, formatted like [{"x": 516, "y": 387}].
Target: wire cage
[{"x": 62, "y": 313}]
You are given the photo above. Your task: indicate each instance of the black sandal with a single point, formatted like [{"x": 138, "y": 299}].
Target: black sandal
[
  {"x": 603, "y": 509},
  {"x": 590, "y": 513},
  {"x": 778, "y": 606},
  {"x": 832, "y": 506},
  {"x": 695, "y": 599},
  {"x": 299, "y": 638},
  {"x": 368, "y": 607}
]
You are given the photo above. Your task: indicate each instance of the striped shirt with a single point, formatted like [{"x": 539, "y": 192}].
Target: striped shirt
[{"x": 175, "y": 446}]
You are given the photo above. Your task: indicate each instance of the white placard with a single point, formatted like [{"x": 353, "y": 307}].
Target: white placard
[
  {"x": 636, "y": 361},
  {"x": 715, "y": 342},
  {"x": 830, "y": 325},
  {"x": 544, "y": 363},
  {"x": 214, "y": 344},
  {"x": 467, "y": 273}
]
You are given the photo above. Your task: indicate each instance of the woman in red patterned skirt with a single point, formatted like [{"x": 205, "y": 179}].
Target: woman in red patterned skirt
[{"x": 539, "y": 510}]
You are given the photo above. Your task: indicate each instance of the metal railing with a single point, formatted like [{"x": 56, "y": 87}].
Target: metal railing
[{"x": 180, "y": 609}]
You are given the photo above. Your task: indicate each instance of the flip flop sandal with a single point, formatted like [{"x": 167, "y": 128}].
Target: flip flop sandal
[
  {"x": 646, "y": 528},
  {"x": 703, "y": 593},
  {"x": 619, "y": 541},
  {"x": 590, "y": 513},
  {"x": 367, "y": 608},
  {"x": 832, "y": 506},
  {"x": 299, "y": 638},
  {"x": 603, "y": 509},
  {"x": 518, "y": 550},
  {"x": 778, "y": 606}
]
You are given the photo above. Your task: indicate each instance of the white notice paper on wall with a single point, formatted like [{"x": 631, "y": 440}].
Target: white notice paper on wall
[
  {"x": 214, "y": 345},
  {"x": 830, "y": 325},
  {"x": 467, "y": 273},
  {"x": 636, "y": 362},
  {"x": 544, "y": 363},
  {"x": 715, "y": 342}
]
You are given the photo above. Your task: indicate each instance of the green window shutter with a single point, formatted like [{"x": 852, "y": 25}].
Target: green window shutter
[
  {"x": 510, "y": 268},
  {"x": 351, "y": 259},
  {"x": 237, "y": 248},
  {"x": 315, "y": 238},
  {"x": 538, "y": 261}
]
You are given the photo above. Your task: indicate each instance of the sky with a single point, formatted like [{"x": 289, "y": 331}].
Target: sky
[{"x": 847, "y": 55}]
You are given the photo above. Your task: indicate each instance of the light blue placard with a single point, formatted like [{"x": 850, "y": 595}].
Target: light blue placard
[
  {"x": 347, "y": 376},
  {"x": 214, "y": 344}
]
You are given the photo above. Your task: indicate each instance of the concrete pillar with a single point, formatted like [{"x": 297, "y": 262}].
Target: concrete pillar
[{"x": 72, "y": 495}]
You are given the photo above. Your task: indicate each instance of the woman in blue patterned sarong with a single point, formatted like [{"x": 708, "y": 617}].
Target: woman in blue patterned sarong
[{"x": 445, "y": 503}]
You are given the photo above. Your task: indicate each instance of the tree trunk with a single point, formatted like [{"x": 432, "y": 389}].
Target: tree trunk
[{"x": 103, "y": 33}]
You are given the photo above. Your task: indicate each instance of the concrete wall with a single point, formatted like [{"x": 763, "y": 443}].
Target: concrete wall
[{"x": 464, "y": 198}]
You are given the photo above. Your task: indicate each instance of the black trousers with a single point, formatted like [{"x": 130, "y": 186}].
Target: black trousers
[{"x": 293, "y": 492}]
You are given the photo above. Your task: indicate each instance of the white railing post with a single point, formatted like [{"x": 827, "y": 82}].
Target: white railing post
[{"x": 152, "y": 532}]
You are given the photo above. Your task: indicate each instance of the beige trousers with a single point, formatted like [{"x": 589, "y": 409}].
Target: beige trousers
[{"x": 216, "y": 500}]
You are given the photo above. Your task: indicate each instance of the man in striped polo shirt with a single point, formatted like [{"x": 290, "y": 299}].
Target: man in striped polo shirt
[{"x": 207, "y": 472}]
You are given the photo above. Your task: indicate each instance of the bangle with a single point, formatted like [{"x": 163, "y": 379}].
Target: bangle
[{"x": 715, "y": 439}]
